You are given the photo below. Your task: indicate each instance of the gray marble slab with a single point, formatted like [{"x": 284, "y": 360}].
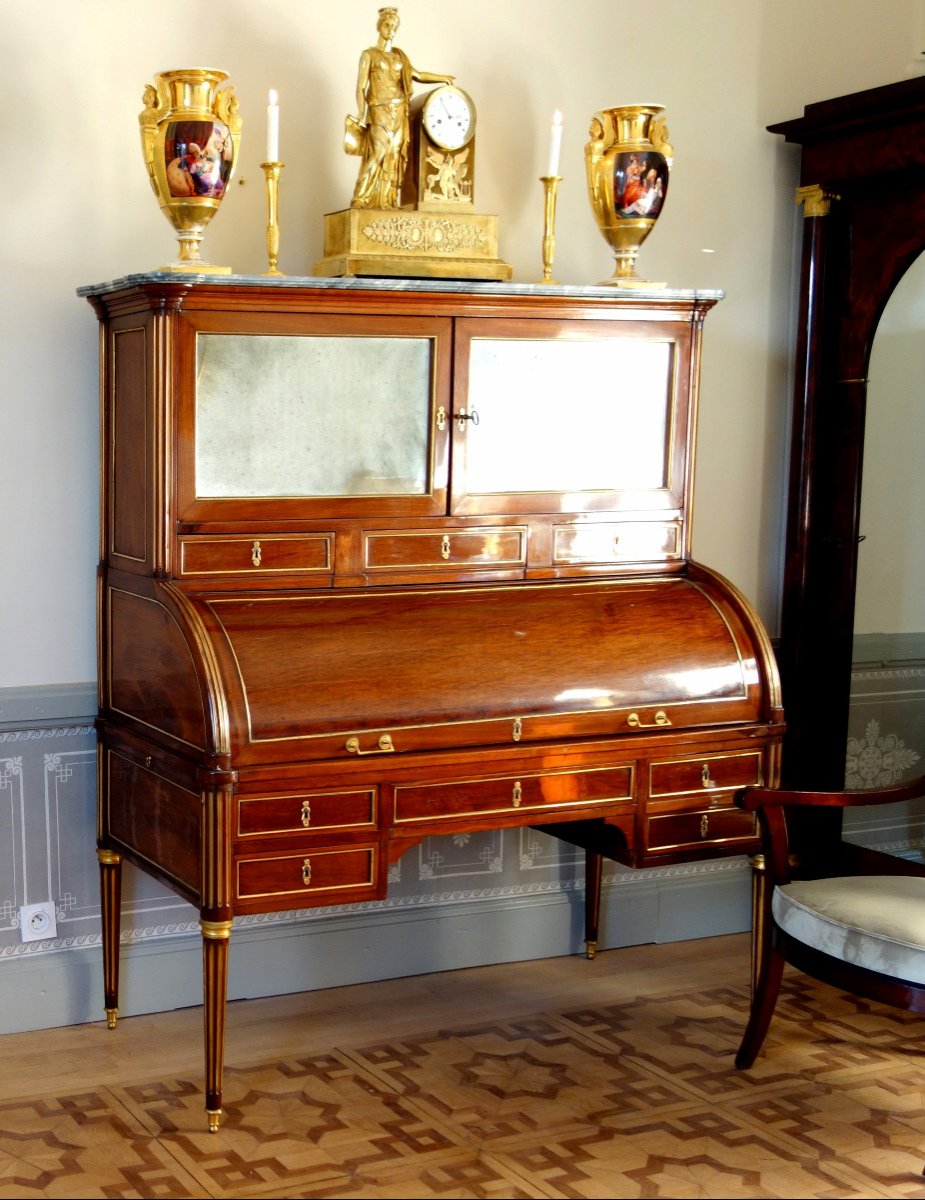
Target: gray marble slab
[{"x": 471, "y": 287}]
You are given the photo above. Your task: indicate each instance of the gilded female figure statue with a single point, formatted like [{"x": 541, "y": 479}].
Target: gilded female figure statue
[{"x": 380, "y": 130}]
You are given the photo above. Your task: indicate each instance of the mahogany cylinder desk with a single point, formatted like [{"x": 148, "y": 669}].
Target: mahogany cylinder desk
[{"x": 382, "y": 560}]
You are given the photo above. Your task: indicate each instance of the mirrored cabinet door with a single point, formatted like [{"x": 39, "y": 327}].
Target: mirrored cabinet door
[
  {"x": 337, "y": 416},
  {"x": 566, "y": 419}
]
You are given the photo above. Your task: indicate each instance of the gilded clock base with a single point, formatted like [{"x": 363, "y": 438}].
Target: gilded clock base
[{"x": 411, "y": 244}]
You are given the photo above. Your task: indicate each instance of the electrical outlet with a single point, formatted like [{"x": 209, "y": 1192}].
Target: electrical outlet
[{"x": 37, "y": 921}]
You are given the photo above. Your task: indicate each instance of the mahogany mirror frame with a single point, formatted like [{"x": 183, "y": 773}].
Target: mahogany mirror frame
[{"x": 862, "y": 187}]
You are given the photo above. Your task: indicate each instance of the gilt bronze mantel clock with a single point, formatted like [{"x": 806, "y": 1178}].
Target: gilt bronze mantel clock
[{"x": 412, "y": 212}]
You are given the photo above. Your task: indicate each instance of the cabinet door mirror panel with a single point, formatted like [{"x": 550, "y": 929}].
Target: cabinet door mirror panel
[
  {"x": 331, "y": 415},
  {"x": 555, "y": 419},
  {"x": 312, "y": 416}
]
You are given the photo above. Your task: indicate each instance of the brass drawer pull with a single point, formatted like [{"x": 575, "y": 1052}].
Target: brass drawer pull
[
  {"x": 705, "y": 777},
  {"x": 383, "y": 746},
  {"x": 256, "y": 554},
  {"x": 704, "y": 825},
  {"x": 517, "y": 794},
  {"x": 306, "y": 871},
  {"x": 661, "y": 719},
  {"x": 306, "y": 813}
]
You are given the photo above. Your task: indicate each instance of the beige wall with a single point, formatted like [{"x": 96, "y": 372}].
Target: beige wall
[{"x": 77, "y": 209}]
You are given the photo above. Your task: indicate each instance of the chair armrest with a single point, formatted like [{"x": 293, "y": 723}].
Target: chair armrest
[
  {"x": 755, "y": 798},
  {"x": 771, "y": 805}
]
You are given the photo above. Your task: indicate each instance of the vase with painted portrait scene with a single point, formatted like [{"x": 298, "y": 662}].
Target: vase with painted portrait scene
[
  {"x": 627, "y": 159},
  {"x": 190, "y": 136}
]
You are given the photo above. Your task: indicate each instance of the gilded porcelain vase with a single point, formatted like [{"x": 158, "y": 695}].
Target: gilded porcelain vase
[
  {"x": 627, "y": 158},
  {"x": 190, "y": 137}
]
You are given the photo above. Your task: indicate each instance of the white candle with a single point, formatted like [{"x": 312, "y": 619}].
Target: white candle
[
  {"x": 273, "y": 128},
  {"x": 555, "y": 144}
]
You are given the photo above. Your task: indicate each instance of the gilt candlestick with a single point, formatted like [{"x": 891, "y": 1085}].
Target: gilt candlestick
[
  {"x": 272, "y": 171},
  {"x": 550, "y": 187}
]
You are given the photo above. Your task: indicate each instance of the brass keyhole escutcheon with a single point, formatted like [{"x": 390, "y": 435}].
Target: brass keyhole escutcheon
[
  {"x": 306, "y": 815},
  {"x": 306, "y": 871},
  {"x": 256, "y": 554},
  {"x": 705, "y": 778},
  {"x": 517, "y": 794},
  {"x": 441, "y": 417},
  {"x": 704, "y": 825},
  {"x": 517, "y": 729},
  {"x": 445, "y": 546}
]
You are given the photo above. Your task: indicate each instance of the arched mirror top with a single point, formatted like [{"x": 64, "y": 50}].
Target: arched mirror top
[
  {"x": 887, "y": 615},
  {"x": 865, "y": 153}
]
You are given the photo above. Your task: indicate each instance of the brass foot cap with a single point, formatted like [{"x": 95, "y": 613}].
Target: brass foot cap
[
  {"x": 111, "y": 1014},
  {"x": 215, "y": 1119},
  {"x": 591, "y": 949}
]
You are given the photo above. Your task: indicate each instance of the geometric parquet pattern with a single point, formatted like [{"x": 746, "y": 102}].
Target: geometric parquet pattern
[{"x": 638, "y": 1099}]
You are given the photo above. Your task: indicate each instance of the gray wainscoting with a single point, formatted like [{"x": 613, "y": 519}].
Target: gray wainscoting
[{"x": 453, "y": 902}]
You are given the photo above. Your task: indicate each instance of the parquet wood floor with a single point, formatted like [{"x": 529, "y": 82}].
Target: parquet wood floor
[{"x": 558, "y": 1078}]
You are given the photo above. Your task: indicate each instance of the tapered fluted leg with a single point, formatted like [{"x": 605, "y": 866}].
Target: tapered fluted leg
[
  {"x": 111, "y": 914},
  {"x": 215, "y": 936},
  {"x": 594, "y": 863}
]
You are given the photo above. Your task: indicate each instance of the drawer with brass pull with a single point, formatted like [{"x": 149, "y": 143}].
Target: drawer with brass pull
[
  {"x": 504, "y": 546},
  {"x": 616, "y": 542},
  {"x": 549, "y": 791},
  {"x": 296, "y": 812},
  {"x": 270, "y": 554},
  {"x": 334, "y": 875},
  {"x": 712, "y": 772},
  {"x": 726, "y": 825}
]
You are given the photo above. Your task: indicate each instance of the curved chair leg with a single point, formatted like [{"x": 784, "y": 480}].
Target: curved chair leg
[{"x": 764, "y": 999}]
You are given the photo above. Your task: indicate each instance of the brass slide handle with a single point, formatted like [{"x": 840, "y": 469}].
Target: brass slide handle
[
  {"x": 383, "y": 746},
  {"x": 635, "y": 722}
]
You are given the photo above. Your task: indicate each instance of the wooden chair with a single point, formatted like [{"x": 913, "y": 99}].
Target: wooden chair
[{"x": 856, "y": 921}]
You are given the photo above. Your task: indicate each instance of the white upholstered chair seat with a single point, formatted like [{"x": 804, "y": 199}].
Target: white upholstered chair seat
[{"x": 871, "y": 921}]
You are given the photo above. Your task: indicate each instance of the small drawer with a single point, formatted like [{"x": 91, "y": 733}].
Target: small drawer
[
  {"x": 307, "y": 811},
  {"x": 615, "y": 542},
  {"x": 501, "y": 547},
  {"x": 267, "y": 555},
  {"x": 423, "y": 803},
  {"x": 310, "y": 876},
  {"x": 675, "y": 831},
  {"x": 713, "y": 772}
]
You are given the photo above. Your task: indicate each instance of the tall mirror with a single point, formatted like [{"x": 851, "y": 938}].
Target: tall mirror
[
  {"x": 886, "y": 732},
  {"x": 854, "y": 560}
]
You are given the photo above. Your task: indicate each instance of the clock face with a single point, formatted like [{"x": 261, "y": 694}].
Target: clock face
[{"x": 449, "y": 117}]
